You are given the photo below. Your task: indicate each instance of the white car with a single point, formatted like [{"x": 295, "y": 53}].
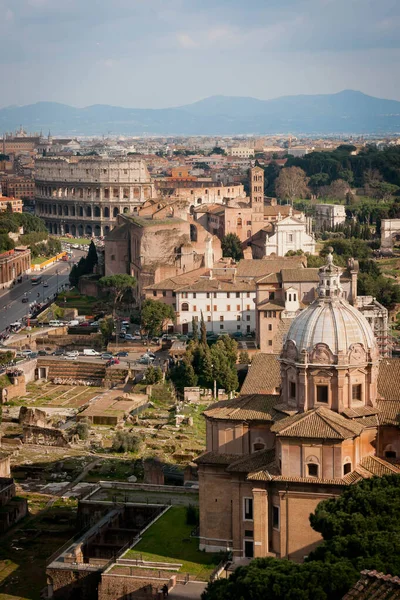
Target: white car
[
  {"x": 90, "y": 352},
  {"x": 72, "y": 355}
]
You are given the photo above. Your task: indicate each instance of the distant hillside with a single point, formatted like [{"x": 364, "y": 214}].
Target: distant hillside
[{"x": 346, "y": 112}]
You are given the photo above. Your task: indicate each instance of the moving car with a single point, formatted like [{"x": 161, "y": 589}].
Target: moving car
[
  {"x": 112, "y": 361},
  {"x": 45, "y": 284},
  {"x": 42, "y": 353},
  {"x": 122, "y": 353},
  {"x": 72, "y": 354},
  {"x": 90, "y": 352},
  {"x": 25, "y": 299},
  {"x": 106, "y": 356},
  {"x": 59, "y": 353}
]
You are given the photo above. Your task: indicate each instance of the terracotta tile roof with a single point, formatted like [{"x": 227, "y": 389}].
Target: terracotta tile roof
[
  {"x": 216, "y": 285},
  {"x": 264, "y": 375},
  {"x": 271, "y": 305},
  {"x": 270, "y": 278},
  {"x": 309, "y": 274},
  {"x": 255, "y": 407},
  {"x": 254, "y": 462},
  {"x": 213, "y": 458},
  {"x": 362, "y": 411},
  {"x": 261, "y": 267},
  {"x": 389, "y": 378},
  {"x": 378, "y": 467},
  {"x": 284, "y": 210},
  {"x": 373, "y": 585},
  {"x": 173, "y": 283},
  {"x": 320, "y": 423},
  {"x": 389, "y": 412}
]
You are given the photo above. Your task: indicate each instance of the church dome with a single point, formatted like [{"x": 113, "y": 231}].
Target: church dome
[
  {"x": 330, "y": 319},
  {"x": 336, "y": 324}
]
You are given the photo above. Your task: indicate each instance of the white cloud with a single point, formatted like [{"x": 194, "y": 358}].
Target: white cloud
[
  {"x": 185, "y": 41},
  {"x": 109, "y": 63}
]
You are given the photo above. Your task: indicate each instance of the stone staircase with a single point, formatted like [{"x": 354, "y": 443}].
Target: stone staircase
[{"x": 74, "y": 370}]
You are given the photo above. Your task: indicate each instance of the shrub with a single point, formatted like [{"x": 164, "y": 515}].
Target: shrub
[{"x": 125, "y": 442}]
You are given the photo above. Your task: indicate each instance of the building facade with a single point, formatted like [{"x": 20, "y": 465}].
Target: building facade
[
  {"x": 271, "y": 458},
  {"x": 17, "y": 186},
  {"x": 13, "y": 264},
  {"x": 12, "y": 204},
  {"x": 284, "y": 235},
  {"x": 84, "y": 195}
]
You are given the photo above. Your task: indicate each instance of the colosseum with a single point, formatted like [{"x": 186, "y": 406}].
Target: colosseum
[{"x": 84, "y": 195}]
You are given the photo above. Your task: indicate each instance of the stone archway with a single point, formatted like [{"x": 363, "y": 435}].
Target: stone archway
[
  {"x": 88, "y": 230},
  {"x": 97, "y": 230},
  {"x": 73, "y": 230},
  {"x": 390, "y": 233},
  {"x": 80, "y": 230}
]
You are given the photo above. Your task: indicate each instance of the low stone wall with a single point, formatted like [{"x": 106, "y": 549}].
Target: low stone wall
[
  {"x": 69, "y": 584},
  {"x": 14, "y": 390},
  {"x": 44, "y": 436},
  {"x": 140, "y": 588}
]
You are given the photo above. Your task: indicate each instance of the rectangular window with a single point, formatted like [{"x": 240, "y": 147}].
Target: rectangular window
[
  {"x": 196, "y": 319},
  {"x": 208, "y": 307},
  {"x": 228, "y": 308},
  {"x": 194, "y": 308},
  {"x": 221, "y": 326},
  {"x": 237, "y": 294},
  {"x": 184, "y": 295},
  {"x": 269, "y": 342},
  {"x": 248, "y": 295},
  {"x": 237, "y": 306},
  {"x": 292, "y": 389},
  {"x": 272, "y": 295},
  {"x": 215, "y": 295},
  {"x": 238, "y": 327},
  {"x": 248, "y": 509},
  {"x": 247, "y": 317},
  {"x": 154, "y": 293},
  {"x": 322, "y": 393},
  {"x": 209, "y": 319},
  {"x": 208, "y": 294},
  {"x": 247, "y": 306},
  {"x": 356, "y": 392},
  {"x": 228, "y": 295},
  {"x": 194, "y": 294},
  {"x": 164, "y": 294},
  {"x": 106, "y": 193},
  {"x": 238, "y": 318},
  {"x": 275, "y": 517},
  {"x": 221, "y": 317},
  {"x": 270, "y": 327},
  {"x": 115, "y": 192},
  {"x": 248, "y": 533},
  {"x": 215, "y": 307}
]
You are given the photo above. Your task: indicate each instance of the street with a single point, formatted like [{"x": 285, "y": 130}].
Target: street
[{"x": 11, "y": 306}]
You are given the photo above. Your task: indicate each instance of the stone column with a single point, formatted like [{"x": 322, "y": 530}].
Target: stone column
[{"x": 260, "y": 520}]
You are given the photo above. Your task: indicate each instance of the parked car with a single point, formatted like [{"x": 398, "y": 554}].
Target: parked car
[
  {"x": 145, "y": 361},
  {"x": 122, "y": 353},
  {"x": 106, "y": 356},
  {"x": 26, "y": 353},
  {"x": 73, "y": 323},
  {"x": 131, "y": 338},
  {"x": 42, "y": 353},
  {"x": 84, "y": 324},
  {"x": 237, "y": 334},
  {"x": 122, "y": 336},
  {"x": 25, "y": 299},
  {"x": 72, "y": 354},
  {"x": 125, "y": 324},
  {"x": 148, "y": 356},
  {"x": 94, "y": 324},
  {"x": 155, "y": 340},
  {"x": 45, "y": 284}
]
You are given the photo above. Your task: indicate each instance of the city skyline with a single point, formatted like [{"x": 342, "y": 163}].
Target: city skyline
[{"x": 158, "y": 54}]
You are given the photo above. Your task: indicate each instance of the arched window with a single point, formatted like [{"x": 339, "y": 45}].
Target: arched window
[
  {"x": 115, "y": 212},
  {"x": 65, "y": 211},
  {"x": 390, "y": 452},
  {"x": 347, "y": 467},
  {"x": 312, "y": 466},
  {"x": 185, "y": 307},
  {"x": 193, "y": 233},
  {"x": 199, "y": 201},
  {"x": 239, "y": 222},
  {"x": 81, "y": 211},
  {"x": 126, "y": 210},
  {"x": 88, "y": 211},
  {"x": 106, "y": 212},
  {"x": 97, "y": 211},
  {"x": 258, "y": 444}
]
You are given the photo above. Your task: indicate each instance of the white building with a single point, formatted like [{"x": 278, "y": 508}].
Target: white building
[
  {"x": 290, "y": 233},
  {"x": 227, "y": 303},
  {"x": 241, "y": 152}
]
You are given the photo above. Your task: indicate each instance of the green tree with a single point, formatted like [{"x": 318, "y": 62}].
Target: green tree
[
  {"x": 195, "y": 330},
  {"x": 82, "y": 429},
  {"x": 218, "y": 150},
  {"x": 224, "y": 371},
  {"x": 155, "y": 315},
  {"x": 205, "y": 373},
  {"x": 91, "y": 258},
  {"x": 232, "y": 246},
  {"x": 244, "y": 358},
  {"x": 117, "y": 286},
  {"x": 183, "y": 375},
  {"x": 107, "y": 329},
  {"x": 6, "y": 243},
  {"x": 153, "y": 375},
  {"x": 203, "y": 330}
]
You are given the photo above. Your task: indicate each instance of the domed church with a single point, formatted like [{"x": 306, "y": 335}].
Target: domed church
[{"x": 271, "y": 458}]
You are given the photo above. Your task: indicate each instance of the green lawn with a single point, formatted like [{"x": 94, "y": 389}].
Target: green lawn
[
  {"x": 38, "y": 260},
  {"x": 81, "y": 241},
  {"x": 168, "y": 540}
]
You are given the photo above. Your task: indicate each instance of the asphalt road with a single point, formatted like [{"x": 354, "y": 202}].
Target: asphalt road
[{"x": 11, "y": 306}]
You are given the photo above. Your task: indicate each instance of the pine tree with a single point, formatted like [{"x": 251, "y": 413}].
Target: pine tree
[
  {"x": 195, "y": 330},
  {"x": 203, "y": 331}
]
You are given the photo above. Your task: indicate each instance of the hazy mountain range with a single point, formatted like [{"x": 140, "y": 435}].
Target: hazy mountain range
[{"x": 345, "y": 112}]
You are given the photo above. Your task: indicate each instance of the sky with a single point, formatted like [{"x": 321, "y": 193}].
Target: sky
[{"x": 162, "y": 53}]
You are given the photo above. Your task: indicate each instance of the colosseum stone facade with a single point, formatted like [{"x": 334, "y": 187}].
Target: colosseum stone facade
[{"x": 84, "y": 195}]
